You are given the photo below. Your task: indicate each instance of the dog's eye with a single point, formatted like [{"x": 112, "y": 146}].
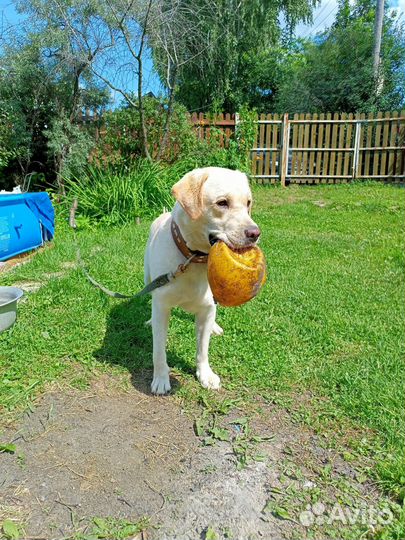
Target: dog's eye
[
  {"x": 223, "y": 203},
  {"x": 249, "y": 204}
]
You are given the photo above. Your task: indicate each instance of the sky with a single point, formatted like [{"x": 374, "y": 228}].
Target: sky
[{"x": 323, "y": 17}]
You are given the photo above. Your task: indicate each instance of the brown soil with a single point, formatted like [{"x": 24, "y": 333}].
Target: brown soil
[{"x": 104, "y": 452}]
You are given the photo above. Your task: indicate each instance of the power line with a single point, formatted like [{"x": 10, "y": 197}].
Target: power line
[
  {"x": 312, "y": 32},
  {"x": 320, "y": 13}
]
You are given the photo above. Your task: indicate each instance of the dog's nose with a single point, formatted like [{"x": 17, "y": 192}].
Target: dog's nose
[{"x": 252, "y": 233}]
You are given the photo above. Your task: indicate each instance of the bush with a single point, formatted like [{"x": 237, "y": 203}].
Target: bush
[
  {"x": 121, "y": 142},
  {"x": 13, "y": 143},
  {"x": 235, "y": 156},
  {"x": 117, "y": 195},
  {"x": 68, "y": 145}
]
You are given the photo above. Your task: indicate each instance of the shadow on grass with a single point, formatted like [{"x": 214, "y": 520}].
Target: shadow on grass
[{"x": 128, "y": 343}]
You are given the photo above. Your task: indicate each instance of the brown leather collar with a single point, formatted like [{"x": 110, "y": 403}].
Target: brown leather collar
[{"x": 198, "y": 256}]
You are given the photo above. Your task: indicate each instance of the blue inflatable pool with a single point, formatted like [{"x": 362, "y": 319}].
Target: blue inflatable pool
[{"x": 27, "y": 221}]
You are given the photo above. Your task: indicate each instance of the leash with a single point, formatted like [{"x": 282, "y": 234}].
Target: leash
[{"x": 160, "y": 281}]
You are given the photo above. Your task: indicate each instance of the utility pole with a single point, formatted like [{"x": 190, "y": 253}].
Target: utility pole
[{"x": 378, "y": 25}]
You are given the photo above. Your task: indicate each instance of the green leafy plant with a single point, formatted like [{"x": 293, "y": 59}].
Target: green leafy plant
[
  {"x": 208, "y": 428},
  {"x": 109, "y": 527},
  {"x": 210, "y": 534},
  {"x": 120, "y": 142},
  {"x": 11, "y": 530},
  {"x": 69, "y": 145},
  {"x": 245, "y": 134},
  {"x": 113, "y": 196},
  {"x": 8, "y": 448}
]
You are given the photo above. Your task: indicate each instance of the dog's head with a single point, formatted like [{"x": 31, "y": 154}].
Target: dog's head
[{"x": 218, "y": 204}]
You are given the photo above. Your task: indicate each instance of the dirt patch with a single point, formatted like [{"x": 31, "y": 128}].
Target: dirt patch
[
  {"x": 28, "y": 286},
  {"x": 22, "y": 258},
  {"x": 107, "y": 452}
]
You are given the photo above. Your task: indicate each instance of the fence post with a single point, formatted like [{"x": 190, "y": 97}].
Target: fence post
[
  {"x": 285, "y": 139},
  {"x": 356, "y": 150}
]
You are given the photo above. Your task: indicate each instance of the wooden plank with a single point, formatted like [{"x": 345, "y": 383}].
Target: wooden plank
[
  {"x": 207, "y": 126},
  {"x": 227, "y": 129},
  {"x": 360, "y": 164},
  {"x": 300, "y": 144},
  {"x": 194, "y": 121},
  {"x": 348, "y": 144},
  {"x": 267, "y": 144},
  {"x": 400, "y": 169},
  {"x": 332, "y": 158},
  {"x": 284, "y": 151},
  {"x": 397, "y": 142},
  {"x": 341, "y": 144},
  {"x": 312, "y": 138},
  {"x": 203, "y": 126},
  {"x": 320, "y": 144},
  {"x": 305, "y": 145},
  {"x": 393, "y": 142},
  {"x": 230, "y": 130},
  {"x": 385, "y": 142},
  {"x": 217, "y": 131},
  {"x": 253, "y": 154},
  {"x": 221, "y": 130},
  {"x": 325, "y": 168},
  {"x": 294, "y": 164},
  {"x": 377, "y": 142},
  {"x": 369, "y": 138},
  {"x": 262, "y": 128},
  {"x": 356, "y": 148},
  {"x": 275, "y": 143}
]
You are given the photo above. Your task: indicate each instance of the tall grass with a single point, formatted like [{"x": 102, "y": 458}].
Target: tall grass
[{"x": 112, "y": 196}]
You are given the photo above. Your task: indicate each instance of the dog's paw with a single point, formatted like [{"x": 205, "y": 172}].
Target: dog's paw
[
  {"x": 160, "y": 384},
  {"x": 209, "y": 379},
  {"x": 217, "y": 330}
]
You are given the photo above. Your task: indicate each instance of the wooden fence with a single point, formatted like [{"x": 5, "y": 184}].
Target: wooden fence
[
  {"x": 311, "y": 148},
  {"x": 224, "y": 124},
  {"x": 325, "y": 148}
]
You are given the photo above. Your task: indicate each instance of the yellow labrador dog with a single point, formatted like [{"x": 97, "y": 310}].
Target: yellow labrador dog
[{"x": 211, "y": 204}]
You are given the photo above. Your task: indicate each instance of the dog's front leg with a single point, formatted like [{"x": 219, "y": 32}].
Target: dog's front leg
[
  {"x": 204, "y": 320},
  {"x": 160, "y": 323}
]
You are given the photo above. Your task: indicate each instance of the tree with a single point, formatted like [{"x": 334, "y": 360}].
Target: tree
[
  {"x": 178, "y": 40},
  {"x": 334, "y": 72},
  {"x": 66, "y": 68},
  {"x": 107, "y": 38},
  {"x": 238, "y": 34},
  {"x": 27, "y": 99}
]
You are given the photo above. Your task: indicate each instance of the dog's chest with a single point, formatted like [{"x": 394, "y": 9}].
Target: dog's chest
[{"x": 191, "y": 289}]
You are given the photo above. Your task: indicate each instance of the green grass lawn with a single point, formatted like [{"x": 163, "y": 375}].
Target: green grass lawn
[{"x": 329, "y": 323}]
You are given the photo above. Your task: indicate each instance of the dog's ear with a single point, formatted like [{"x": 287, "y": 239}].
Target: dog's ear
[{"x": 188, "y": 192}]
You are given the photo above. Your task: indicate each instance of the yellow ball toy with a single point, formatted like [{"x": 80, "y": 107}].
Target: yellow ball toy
[{"x": 235, "y": 276}]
